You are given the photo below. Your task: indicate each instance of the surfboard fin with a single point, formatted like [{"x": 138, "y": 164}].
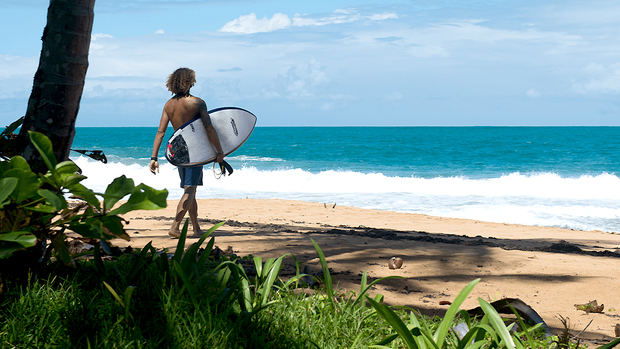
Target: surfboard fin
[{"x": 225, "y": 167}]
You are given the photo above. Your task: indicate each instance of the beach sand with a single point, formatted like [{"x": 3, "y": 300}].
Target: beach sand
[{"x": 550, "y": 269}]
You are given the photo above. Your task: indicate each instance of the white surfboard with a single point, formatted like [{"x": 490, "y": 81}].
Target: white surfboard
[{"x": 190, "y": 146}]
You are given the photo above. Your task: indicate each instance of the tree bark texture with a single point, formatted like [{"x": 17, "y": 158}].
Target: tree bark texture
[{"x": 58, "y": 83}]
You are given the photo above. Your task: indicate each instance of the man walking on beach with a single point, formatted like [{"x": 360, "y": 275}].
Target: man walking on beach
[{"x": 180, "y": 109}]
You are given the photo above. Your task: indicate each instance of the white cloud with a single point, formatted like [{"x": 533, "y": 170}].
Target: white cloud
[
  {"x": 601, "y": 79},
  {"x": 249, "y": 24},
  {"x": 467, "y": 38},
  {"x": 383, "y": 16},
  {"x": 302, "y": 79},
  {"x": 299, "y": 81},
  {"x": 474, "y": 30},
  {"x": 160, "y": 31},
  {"x": 17, "y": 66},
  {"x": 97, "y": 36},
  {"x": 337, "y": 17}
]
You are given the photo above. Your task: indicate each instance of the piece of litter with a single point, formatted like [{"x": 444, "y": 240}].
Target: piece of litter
[{"x": 591, "y": 307}]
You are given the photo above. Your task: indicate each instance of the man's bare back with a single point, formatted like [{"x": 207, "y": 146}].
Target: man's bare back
[{"x": 180, "y": 110}]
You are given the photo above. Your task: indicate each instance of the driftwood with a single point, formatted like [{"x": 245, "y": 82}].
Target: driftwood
[{"x": 506, "y": 306}]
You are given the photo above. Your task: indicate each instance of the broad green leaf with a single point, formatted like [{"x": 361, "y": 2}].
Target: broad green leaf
[
  {"x": 90, "y": 228},
  {"x": 7, "y": 185},
  {"x": 84, "y": 193},
  {"x": 143, "y": 197},
  {"x": 27, "y": 184},
  {"x": 118, "y": 189},
  {"x": 19, "y": 162},
  {"x": 56, "y": 200},
  {"x": 113, "y": 227},
  {"x": 4, "y": 166},
  {"x": 23, "y": 238},
  {"x": 43, "y": 209},
  {"x": 67, "y": 167},
  {"x": 446, "y": 323},
  {"x": 99, "y": 227},
  {"x": 67, "y": 180},
  {"x": 7, "y": 249},
  {"x": 44, "y": 146},
  {"x": 497, "y": 323},
  {"x": 395, "y": 322}
]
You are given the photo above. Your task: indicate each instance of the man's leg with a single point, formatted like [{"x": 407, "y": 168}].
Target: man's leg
[
  {"x": 193, "y": 215},
  {"x": 189, "y": 196}
]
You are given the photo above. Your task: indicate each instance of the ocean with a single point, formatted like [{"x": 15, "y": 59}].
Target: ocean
[{"x": 550, "y": 176}]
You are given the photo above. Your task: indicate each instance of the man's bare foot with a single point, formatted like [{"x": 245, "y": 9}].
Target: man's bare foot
[
  {"x": 198, "y": 233},
  {"x": 175, "y": 234}
]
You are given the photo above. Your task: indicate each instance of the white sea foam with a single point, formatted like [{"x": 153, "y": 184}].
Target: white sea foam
[
  {"x": 584, "y": 202},
  {"x": 255, "y": 158}
]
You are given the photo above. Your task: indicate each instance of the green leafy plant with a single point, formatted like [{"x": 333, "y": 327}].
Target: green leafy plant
[
  {"x": 190, "y": 272},
  {"x": 34, "y": 207},
  {"x": 417, "y": 334},
  {"x": 327, "y": 278},
  {"x": 256, "y": 293}
]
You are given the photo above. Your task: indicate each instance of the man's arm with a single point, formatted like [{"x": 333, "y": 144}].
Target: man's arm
[
  {"x": 159, "y": 137},
  {"x": 211, "y": 134}
]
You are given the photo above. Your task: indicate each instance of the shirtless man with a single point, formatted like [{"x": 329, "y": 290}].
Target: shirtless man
[{"x": 181, "y": 108}]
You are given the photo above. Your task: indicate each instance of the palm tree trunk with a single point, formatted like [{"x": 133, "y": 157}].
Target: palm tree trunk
[{"x": 59, "y": 80}]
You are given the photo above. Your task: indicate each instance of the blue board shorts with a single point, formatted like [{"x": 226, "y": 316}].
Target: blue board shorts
[{"x": 190, "y": 176}]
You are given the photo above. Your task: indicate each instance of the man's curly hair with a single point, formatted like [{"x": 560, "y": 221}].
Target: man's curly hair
[{"x": 181, "y": 81}]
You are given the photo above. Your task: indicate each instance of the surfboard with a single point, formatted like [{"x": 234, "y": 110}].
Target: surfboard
[{"x": 190, "y": 146}]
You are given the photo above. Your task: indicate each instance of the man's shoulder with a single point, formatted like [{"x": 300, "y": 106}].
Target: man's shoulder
[{"x": 197, "y": 102}]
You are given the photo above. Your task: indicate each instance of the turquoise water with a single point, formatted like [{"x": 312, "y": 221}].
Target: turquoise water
[
  {"x": 476, "y": 152},
  {"x": 558, "y": 176}
]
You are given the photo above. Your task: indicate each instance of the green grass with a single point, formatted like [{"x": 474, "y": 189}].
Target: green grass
[{"x": 148, "y": 300}]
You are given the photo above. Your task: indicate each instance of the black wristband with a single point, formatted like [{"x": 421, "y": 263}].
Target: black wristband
[{"x": 154, "y": 158}]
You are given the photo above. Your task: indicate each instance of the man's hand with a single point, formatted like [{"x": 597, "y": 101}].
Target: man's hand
[
  {"x": 154, "y": 167},
  {"x": 219, "y": 158}
]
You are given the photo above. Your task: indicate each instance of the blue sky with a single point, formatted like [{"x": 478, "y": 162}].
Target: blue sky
[{"x": 338, "y": 63}]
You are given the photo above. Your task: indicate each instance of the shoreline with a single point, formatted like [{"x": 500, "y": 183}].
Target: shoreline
[{"x": 551, "y": 269}]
